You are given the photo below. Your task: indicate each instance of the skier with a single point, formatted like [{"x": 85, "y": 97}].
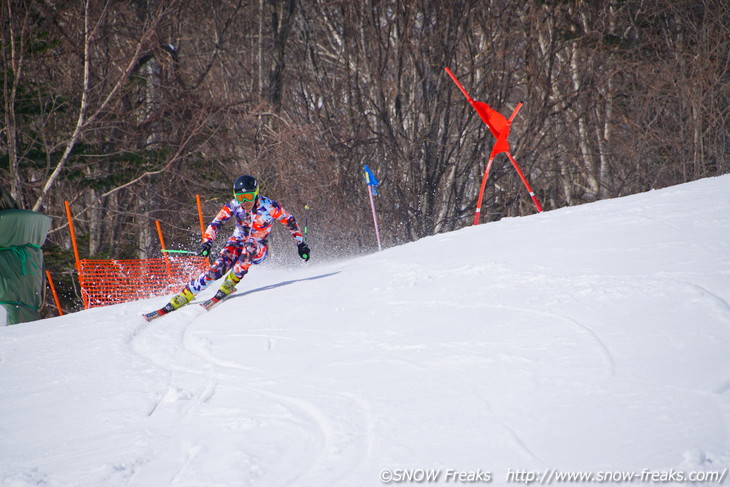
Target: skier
[{"x": 254, "y": 216}]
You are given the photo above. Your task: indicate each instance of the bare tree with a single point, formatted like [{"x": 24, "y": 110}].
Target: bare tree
[{"x": 88, "y": 113}]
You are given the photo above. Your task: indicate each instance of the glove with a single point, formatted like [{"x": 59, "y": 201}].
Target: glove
[
  {"x": 204, "y": 248},
  {"x": 304, "y": 251}
]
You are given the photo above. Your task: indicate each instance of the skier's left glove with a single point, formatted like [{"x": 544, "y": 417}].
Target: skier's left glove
[{"x": 304, "y": 251}]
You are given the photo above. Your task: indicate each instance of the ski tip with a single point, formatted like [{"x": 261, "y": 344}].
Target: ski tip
[{"x": 151, "y": 316}]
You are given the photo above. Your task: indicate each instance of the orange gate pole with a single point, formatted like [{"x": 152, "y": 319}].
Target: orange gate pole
[
  {"x": 481, "y": 190},
  {"x": 53, "y": 291},
  {"x": 524, "y": 181},
  {"x": 200, "y": 216},
  {"x": 500, "y": 128}
]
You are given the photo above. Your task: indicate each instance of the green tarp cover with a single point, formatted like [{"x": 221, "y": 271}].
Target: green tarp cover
[{"x": 22, "y": 280}]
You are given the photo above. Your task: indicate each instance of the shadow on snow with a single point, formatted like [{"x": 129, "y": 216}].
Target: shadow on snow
[{"x": 278, "y": 285}]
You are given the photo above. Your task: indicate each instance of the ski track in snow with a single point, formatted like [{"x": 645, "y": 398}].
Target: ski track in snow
[
  {"x": 185, "y": 353},
  {"x": 718, "y": 301}
]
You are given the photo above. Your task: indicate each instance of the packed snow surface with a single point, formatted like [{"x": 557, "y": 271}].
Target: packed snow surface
[{"x": 589, "y": 340}]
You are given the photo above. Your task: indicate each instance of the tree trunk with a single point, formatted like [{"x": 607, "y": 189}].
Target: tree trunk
[
  {"x": 14, "y": 44},
  {"x": 281, "y": 22}
]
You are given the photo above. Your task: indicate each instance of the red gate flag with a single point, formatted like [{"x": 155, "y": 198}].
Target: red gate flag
[
  {"x": 497, "y": 123},
  {"x": 499, "y": 126}
]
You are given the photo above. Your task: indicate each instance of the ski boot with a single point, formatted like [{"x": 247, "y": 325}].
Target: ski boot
[
  {"x": 175, "y": 303},
  {"x": 181, "y": 299},
  {"x": 228, "y": 287}
]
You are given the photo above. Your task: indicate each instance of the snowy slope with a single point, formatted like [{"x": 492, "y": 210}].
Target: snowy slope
[{"x": 590, "y": 340}]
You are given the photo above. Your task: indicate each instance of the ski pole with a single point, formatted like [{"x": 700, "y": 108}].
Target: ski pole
[
  {"x": 179, "y": 251},
  {"x": 306, "y": 220}
]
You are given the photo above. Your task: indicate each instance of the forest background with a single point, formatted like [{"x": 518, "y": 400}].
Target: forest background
[{"x": 128, "y": 109}]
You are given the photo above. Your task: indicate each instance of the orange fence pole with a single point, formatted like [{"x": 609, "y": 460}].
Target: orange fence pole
[
  {"x": 162, "y": 244},
  {"x": 159, "y": 234},
  {"x": 53, "y": 291},
  {"x": 76, "y": 253},
  {"x": 200, "y": 216}
]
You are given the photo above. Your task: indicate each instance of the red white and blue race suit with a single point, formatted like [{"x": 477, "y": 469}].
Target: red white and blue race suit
[{"x": 249, "y": 243}]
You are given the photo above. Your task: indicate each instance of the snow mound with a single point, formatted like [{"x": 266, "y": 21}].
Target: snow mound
[{"x": 589, "y": 340}]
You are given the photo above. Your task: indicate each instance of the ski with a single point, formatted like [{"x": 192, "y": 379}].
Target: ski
[
  {"x": 207, "y": 305},
  {"x": 157, "y": 313},
  {"x": 219, "y": 296}
]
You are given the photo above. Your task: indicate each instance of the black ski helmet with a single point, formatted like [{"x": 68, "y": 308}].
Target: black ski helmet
[{"x": 246, "y": 184}]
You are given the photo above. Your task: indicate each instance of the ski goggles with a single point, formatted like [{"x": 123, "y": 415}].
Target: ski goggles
[{"x": 247, "y": 196}]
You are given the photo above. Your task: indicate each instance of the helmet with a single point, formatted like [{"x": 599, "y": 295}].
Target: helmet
[
  {"x": 246, "y": 184},
  {"x": 245, "y": 188}
]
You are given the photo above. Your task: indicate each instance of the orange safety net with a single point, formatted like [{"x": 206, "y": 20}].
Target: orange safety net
[{"x": 105, "y": 282}]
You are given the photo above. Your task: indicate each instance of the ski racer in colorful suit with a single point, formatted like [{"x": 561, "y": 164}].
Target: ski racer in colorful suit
[{"x": 254, "y": 215}]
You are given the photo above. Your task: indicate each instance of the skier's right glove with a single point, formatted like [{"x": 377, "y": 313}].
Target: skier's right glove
[{"x": 204, "y": 249}]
